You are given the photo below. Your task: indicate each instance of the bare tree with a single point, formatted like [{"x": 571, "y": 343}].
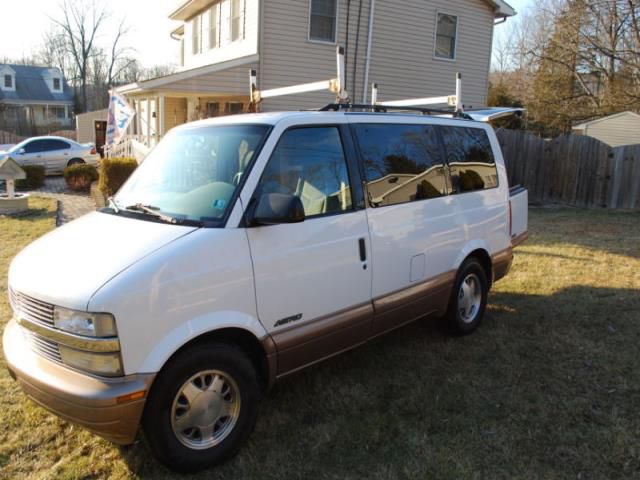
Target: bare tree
[
  {"x": 80, "y": 23},
  {"x": 119, "y": 60},
  {"x": 53, "y": 53}
]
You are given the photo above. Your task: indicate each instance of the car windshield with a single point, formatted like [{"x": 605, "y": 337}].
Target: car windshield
[
  {"x": 18, "y": 146},
  {"x": 193, "y": 173}
]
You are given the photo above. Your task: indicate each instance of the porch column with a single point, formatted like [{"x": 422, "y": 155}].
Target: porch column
[
  {"x": 162, "y": 112},
  {"x": 66, "y": 112},
  {"x": 148, "y": 121},
  {"x": 138, "y": 118}
]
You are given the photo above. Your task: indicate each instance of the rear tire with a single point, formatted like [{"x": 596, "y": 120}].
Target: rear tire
[
  {"x": 75, "y": 161},
  {"x": 468, "y": 298},
  {"x": 202, "y": 407}
]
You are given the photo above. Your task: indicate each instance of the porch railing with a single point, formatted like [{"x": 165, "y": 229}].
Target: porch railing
[{"x": 136, "y": 146}]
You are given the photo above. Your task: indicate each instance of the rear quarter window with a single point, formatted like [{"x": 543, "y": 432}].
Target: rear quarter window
[{"x": 471, "y": 160}]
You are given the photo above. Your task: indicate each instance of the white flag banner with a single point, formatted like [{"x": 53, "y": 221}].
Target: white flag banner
[{"x": 118, "y": 119}]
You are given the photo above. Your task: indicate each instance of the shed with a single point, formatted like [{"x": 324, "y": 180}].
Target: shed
[
  {"x": 91, "y": 127},
  {"x": 615, "y": 130}
]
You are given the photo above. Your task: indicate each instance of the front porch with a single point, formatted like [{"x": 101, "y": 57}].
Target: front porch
[
  {"x": 157, "y": 112},
  {"x": 166, "y": 102}
]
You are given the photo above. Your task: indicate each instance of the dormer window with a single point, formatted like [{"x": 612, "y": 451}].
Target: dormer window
[
  {"x": 8, "y": 81},
  {"x": 56, "y": 84}
]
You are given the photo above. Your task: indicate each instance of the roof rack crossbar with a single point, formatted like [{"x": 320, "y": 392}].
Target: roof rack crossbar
[{"x": 382, "y": 108}]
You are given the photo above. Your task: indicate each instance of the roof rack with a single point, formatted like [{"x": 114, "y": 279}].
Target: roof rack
[{"x": 383, "y": 108}]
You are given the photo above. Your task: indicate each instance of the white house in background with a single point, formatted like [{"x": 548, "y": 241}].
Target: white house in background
[
  {"x": 411, "y": 48},
  {"x": 32, "y": 97},
  {"x": 615, "y": 130}
]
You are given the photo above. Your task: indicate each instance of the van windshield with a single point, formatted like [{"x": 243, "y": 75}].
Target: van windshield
[{"x": 193, "y": 174}]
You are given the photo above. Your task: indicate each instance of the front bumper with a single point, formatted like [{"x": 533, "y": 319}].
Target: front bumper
[{"x": 97, "y": 404}]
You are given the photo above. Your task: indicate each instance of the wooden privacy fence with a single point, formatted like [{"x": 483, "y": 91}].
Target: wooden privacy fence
[{"x": 573, "y": 170}]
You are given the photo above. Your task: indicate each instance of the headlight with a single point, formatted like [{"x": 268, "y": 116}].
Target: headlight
[
  {"x": 85, "y": 323},
  {"x": 108, "y": 364}
]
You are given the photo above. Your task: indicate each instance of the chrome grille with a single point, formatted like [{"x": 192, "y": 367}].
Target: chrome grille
[
  {"x": 31, "y": 309},
  {"x": 43, "y": 346}
]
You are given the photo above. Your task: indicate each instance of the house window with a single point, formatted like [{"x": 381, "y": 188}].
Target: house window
[
  {"x": 56, "y": 84},
  {"x": 214, "y": 22},
  {"x": 237, "y": 19},
  {"x": 8, "y": 81},
  {"x": 322, "y": 20},
  {"x": 446, "y": 32},
  {"x": 234, "y": 107},
  {"x": 213, "y": 109},
  {"x": 196, "y": 35}
]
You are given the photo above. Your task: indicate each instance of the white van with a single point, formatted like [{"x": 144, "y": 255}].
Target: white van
[{"x": 246, "y": 248}]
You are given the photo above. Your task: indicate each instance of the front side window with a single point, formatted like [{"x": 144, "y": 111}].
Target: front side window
[
  {"x": 196, "y": 35},
  {"x": 8, "y": 81},
  {"x": 322, "y": 20},
  {"x": 214, "y": 21},
  {"x": 193, "y": 174},
  {"x": 470, "y": 158},
  {"x": 56, "y": 84},
  {"x": 34, "y": 146},
  {"x": 403, "y": 163},
  {"x": 310, "y": 164},
  {"x": 237, "y": 20},
  {"x": 446, "y": 32}
]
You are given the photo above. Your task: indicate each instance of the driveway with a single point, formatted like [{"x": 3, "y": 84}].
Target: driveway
[{"x": 71, "y": 204}]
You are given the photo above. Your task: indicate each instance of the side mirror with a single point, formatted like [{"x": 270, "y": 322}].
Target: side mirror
[
  {"x": 22, "y": 151},
  {"x": 276, "y": 208}
]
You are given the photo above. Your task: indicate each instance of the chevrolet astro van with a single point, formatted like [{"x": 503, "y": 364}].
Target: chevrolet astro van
[{"x": 246, "y": 248}]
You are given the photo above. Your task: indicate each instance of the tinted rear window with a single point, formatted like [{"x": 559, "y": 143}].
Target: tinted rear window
[{"x": 403, "y": 163}]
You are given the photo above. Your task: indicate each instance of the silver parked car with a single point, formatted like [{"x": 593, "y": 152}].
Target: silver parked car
[{"x": 54, "y": 153}]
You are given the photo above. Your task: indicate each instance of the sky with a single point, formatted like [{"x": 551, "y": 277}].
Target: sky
[{"x": 26, "y": 21}]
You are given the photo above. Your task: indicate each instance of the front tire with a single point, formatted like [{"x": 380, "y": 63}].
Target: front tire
[
  {"x": 202, "y": 407},
  {"x": 468, "y": 298}
]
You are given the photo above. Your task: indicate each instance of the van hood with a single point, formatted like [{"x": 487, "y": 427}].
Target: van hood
[{"x": 68, "y": 265}]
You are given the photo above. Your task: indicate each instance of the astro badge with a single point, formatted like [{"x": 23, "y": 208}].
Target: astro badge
[{"x": 219, "y": 204}]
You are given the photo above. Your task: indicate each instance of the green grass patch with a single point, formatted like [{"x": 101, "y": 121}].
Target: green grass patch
[{"x": 548, "y": 387}]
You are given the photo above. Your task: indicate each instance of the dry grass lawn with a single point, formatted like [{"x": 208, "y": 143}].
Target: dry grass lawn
[{"x": 549, "y": 386}]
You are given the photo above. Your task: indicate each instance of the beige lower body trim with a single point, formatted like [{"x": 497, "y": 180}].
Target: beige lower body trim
[
  {"x": 303, "y": 345},
  {"x": 404, "y": 306},
  {"x": 501, "y": 263},
  {"x": 300, "y": 346},
  {"x": 520, "y": 239},
  {"x": 82, "y": 399}
]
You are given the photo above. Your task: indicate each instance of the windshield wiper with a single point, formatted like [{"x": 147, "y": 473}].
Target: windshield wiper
[{"x": 152, "y": 210}]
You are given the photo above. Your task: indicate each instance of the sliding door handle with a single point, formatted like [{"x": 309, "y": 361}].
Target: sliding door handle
[{"x": 363, "y": 250}]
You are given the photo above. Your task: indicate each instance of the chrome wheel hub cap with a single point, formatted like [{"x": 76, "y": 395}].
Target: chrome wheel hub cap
[
  {"x": 205, "y": 410},
  {"x": 469, "y": 298}
]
